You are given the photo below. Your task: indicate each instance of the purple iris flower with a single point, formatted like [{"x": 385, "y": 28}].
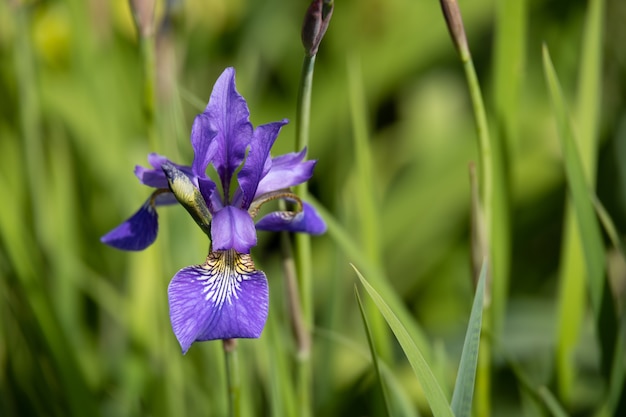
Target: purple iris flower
[{"x": 225, "y": 297}]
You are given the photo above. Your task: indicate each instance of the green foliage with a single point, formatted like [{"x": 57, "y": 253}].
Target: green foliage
[{"x": 84, "y": 329}]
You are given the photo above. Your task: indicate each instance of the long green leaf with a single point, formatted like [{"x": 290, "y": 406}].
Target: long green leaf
[
  {"x": 434, "y": 394},
  {"x": 464, "y": 386},
  {"x": 572, "y": 305},
  {"x": 370, "y": 343},
  {"x": 588, "y": 225}
]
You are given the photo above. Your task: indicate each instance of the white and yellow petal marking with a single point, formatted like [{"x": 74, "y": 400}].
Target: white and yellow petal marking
[
  {"x": 224, "y": 298},
  {"x": 225, "y": 271}
]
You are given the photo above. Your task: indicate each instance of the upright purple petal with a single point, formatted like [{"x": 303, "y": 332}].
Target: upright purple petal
[
  {"x": 286, "y": 171},
  {"x": 258, "y": 162},
  {"x": 306, "y": 221},
  {"x": 222, "y": 299},
  {"x": 233, "y": 228},
  {"x": 203, "y": 143},
  {"x": 229, "y": 116},
  {"x": 136, "y": 233}
]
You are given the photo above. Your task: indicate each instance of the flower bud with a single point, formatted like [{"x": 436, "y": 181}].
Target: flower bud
[
  {"x": 143, "y": 13},
  {"x": 315, "y": 23},
  {"x": 188, "y": 196},
  {"x": 454, "y": 20}
]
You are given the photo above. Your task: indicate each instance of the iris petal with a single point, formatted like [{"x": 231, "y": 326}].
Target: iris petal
[
  {"x": 233, "y": 228},
  {"x": 306, "y": 221},
  {"x": 136, "y": 233},
  {"x": 229, "y": 115},
  {"x": 155, "y": 177},
  {"x": 286, "y": 171},
  {"x": 204, "y": 147},
  {"x": 222, "y": 299},
  {"x": 258, "y": 162}
]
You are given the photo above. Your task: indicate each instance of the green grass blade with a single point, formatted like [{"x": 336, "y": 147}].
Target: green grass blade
[
  {"x": 588, "y": 226},
  {"x": 551, "y": 402},
  {"x": 578, "y": 187},
  {"x": 464, "y": 386},
  {"x": 432, "y": 390},
  {"x": 609, "y": 226},
  {"x": 572, "y": 281},
  {"x": 370, "y": 343}
]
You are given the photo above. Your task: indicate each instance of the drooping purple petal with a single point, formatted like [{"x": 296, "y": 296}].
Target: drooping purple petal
[
  {"x": 286, "y": 171},
  {"x": 203, "y": 143},
  {"x": 233, "y": 228},
  {"x": 229, "y": 116},
  {"x": 306, "y": 221},
  {"x": 258, "y": 162},
  {"x": 136, "y": 233},
  {"x": 222, "y": 299},
  {"x": 155, "y": 177}
]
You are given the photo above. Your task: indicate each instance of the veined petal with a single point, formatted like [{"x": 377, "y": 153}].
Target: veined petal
[
  {"x": 229, "y": 116},
  {"x": 155, "y": 177},
  {"x": 258, "y": 162},
  {"x": 286, "y": 171},
  {"x": 202, "y": 141},
  {"x": 224, "y": 298},
  {"x": 136, "y": 233},
  {"x": 306, "y": 221},
  {"x": 233, "y": 228}
]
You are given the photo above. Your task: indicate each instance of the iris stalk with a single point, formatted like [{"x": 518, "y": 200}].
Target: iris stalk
[
  {"x": 454, "y": 21},
  {"x": 232, "y": 375},
  {"x": 302, "y": 307},
  {"x": 316, "y": 20},
  {"x": 143, "y": 16}
]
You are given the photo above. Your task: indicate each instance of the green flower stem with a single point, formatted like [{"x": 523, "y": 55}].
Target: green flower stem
[
  {"x": 303, "y": 251},
  {"x": 232, "y": 376},
  {"x": 303, "y": 111},
  {"x": 147, "y": 47},
  {"x": 301, "y": 332},
  {"x": 454, "y": 21},
  {"x": 483, "y": 382},
  {"x": 484, "y": 142}
]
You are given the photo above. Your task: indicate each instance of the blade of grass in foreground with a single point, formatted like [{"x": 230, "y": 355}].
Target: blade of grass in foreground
[
  {"x": 464, "y": 386},
  {"x": 432, "y": 390},
  {"x": 589, "y": 228},
  {"x": 370, "y": 343}
]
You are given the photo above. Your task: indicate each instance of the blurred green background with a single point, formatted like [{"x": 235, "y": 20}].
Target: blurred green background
[{"x": 84, "y": 329}]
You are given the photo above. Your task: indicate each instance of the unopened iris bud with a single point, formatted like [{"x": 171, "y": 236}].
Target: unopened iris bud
[
  {"x": 188, "y": 195},
  {"x": 316, "y": 22},
  {"x": 143, "y": 13},
  {"x": 454, "y": 21}
]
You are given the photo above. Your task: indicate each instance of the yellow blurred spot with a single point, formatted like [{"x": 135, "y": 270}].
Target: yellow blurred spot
[
  {"x": 213, "y": 16},
  {"x": 52, "y": 34}
]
